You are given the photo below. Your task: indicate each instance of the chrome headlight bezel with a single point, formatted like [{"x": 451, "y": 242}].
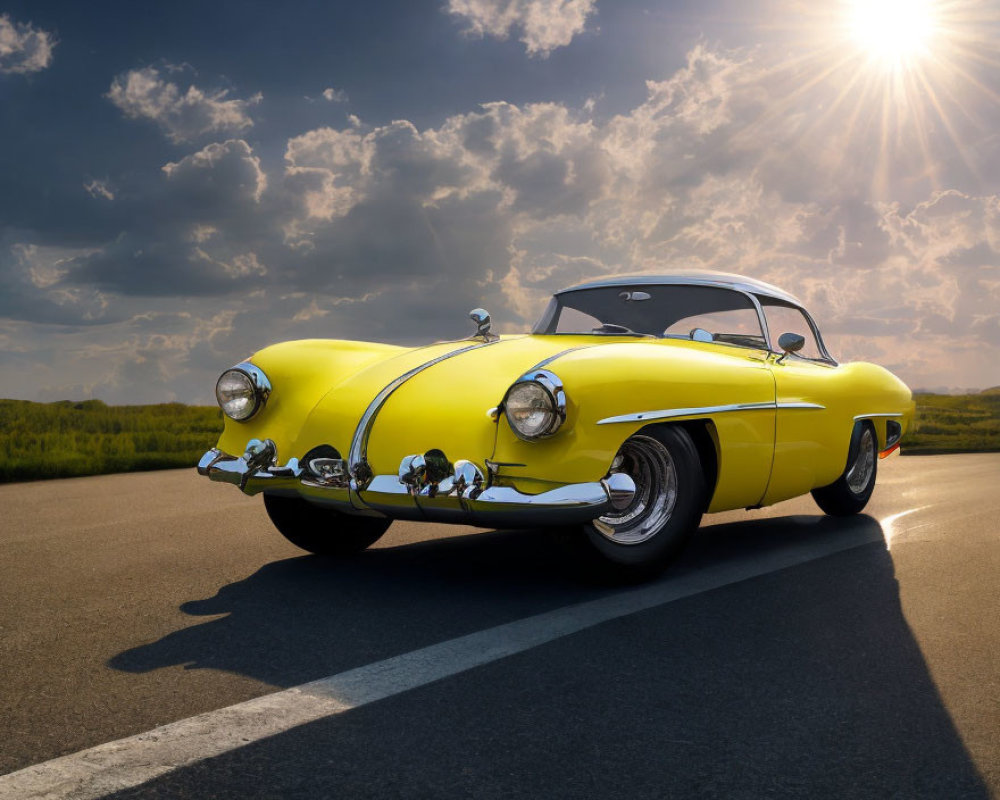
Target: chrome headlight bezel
[
  {"x": 257, "y": 384},
  {"x": 554, "y": 395}
]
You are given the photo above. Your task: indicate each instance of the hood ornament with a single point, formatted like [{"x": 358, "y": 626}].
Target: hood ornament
[{"x": 483, "y": 323}]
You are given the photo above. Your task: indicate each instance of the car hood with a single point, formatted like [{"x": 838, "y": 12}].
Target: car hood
[{"x": 435, "y": 397}]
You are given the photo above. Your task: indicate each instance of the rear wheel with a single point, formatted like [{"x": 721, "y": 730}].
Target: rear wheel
[
  {"x": 323, "y": 531},
  {"x": 639, "y": 540},
  {"x": 849, "y": 494}
]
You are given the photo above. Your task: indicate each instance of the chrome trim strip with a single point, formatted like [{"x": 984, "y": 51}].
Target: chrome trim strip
[
  {"x": 880, "y": 414},
  {"x": 761, "y": 319},
  {"x": 359, "y": 442},
  {"x": 546, "y": 361},
  {"x": 645, "y": 416}
]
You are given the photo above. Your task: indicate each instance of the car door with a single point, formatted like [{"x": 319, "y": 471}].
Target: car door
[{"x": 807, "y": 436}]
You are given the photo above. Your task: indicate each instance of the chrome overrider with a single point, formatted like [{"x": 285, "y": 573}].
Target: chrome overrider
[{"x": 427, "y": 487}]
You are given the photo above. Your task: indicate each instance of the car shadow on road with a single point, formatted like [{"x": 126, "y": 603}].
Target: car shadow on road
[
  {"x": 307, "y": 617},
  {"x": 804, "y": 678}
]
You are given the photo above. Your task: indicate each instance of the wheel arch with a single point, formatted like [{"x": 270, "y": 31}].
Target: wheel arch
[
  {"x": 856, "y": 433},
  {"x": 705, "y": 437}
]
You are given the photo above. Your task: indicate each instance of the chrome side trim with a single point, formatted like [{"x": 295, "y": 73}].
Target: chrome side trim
[
  {"x": 879, "y": 414},
  {"x": 358, "y": 455},
  {"x": 670, "y": 413}
]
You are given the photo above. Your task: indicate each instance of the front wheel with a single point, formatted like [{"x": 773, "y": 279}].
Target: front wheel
[
  {"x": 849, "y": 494},
  {"x": 639, "y": 540},
  {"x": 323, "y": 531}
]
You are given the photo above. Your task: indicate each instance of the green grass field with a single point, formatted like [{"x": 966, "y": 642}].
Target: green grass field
[
  {"x": 959, "y": 423},
  {"x": 67, "y": 439}
]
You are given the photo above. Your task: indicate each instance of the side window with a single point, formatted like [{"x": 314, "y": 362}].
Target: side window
[
  {"x": 573, "y": 321},
  {"x": 738, "y": 326},
  {"x": 787, "y": 319}
]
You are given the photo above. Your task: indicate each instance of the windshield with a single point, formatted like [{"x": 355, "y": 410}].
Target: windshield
[{"x": 704, "y": 313}]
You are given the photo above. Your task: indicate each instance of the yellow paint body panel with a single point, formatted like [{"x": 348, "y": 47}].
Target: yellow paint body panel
[
  {"x": 321, "y": 389},
  {"x": 445, "y": 407},
  {"x": 811, "y": 445},
  {"x": 629, "y": 376}
]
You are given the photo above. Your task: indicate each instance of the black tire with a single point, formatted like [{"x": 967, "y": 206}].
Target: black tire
[
  {"x": 849, "y": 494},
  {"x": 323, "y": 531},
  {"x": 639, "y": 541}
]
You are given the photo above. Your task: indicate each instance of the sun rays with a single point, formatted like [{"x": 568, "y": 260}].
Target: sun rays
[{"x": 895, "y": 91}]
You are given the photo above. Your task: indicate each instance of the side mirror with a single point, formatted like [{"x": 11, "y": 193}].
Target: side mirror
[{"x": 790, "y": 343}]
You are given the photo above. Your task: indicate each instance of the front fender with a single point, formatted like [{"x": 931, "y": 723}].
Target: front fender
[
  {"x": 301, "y": 374},
  {"x": 629, "y": 378}
]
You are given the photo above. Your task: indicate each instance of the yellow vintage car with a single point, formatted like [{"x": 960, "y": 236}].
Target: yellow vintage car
[{"x": 634, "y": 406}]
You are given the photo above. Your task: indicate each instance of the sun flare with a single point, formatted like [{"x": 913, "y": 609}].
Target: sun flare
[
  {"x": 889, "y": 88},
  {"x": 893, "y": 30}
]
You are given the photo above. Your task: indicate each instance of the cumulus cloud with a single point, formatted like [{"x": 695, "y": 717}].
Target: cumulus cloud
[
  {"x": 335, "y": 95},
  {"x": 218, "y": 174},
  {"x": 543, "y": 25},
  {"x": 392, "y": 231},
  {"x": 23, "y": 48},
  {"x": 181, "y": 114}
]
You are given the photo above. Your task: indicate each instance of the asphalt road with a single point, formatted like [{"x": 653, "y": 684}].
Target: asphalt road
[{"x": 132, "y": 601}]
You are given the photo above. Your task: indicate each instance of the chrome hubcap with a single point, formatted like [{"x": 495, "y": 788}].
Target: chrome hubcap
[
  {"x": 861, "y": 470},
  {"x": 648, "y": 463}
]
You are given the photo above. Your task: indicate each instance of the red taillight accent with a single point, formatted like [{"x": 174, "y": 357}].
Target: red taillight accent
[{"x": 890, "y": 451}]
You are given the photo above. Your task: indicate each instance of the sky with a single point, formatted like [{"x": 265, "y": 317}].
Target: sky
[{"x": 182, "y": 184}]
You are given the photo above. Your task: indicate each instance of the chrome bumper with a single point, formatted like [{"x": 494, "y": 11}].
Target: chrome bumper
[{"x": 462, "y": 497}]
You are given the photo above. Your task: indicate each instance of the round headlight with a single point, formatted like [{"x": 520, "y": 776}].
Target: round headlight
[
  {"x": 236, "y": 394},
  {"x": 532, "y": 410}
]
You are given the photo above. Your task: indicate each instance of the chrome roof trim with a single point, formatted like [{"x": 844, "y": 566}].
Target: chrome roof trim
[{"x": 722, "y": 280}]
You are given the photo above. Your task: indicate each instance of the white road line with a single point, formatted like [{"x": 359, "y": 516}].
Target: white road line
[{"x": 134, "y": 760}]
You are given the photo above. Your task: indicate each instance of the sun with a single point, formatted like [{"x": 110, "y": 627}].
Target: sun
[
  {"x": 886, "y": 90},
  {"x": 894, "y": 32}
]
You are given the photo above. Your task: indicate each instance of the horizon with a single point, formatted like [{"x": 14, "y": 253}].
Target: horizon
[{"x": 193, "y": 183}]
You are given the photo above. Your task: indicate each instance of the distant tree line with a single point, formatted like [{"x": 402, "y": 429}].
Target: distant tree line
[{"x": 68, "y": 439}]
